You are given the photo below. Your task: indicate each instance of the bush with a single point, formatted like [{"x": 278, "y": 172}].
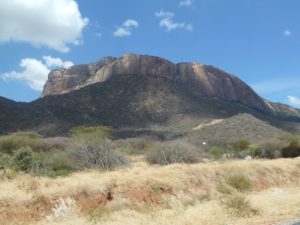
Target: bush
[
  {"x": 243, "y": 154},
  {"x": 256, "y": 151},
  {"x": 92, "y": 151},
  {"x": 172, "y": 152},
  {"x": 291, "y": 151},
  {"x": 52, "y": 163},
  {"x": 135, "y": 146},
  {"x": 23, "y": 159},
  {"x": 271, "y": 149},
  {"x": 28, "y": 134},
  {"x": 60, "y": 162},
  {"x": 217, "y": 152},
  {"x": 239, "y": 206},
  {"x": 59, "y": 143},
  {"x": 241, "y": 145},
  {"x": 5, "y": 160},
  {"x": 239, "y": 181},
  {"x": 12, "y": 142},
  {"x": 99, "y": 131},
  {"x": 290, "y": 138}
]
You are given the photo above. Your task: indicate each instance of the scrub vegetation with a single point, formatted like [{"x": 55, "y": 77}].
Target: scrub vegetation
[{"x": 91, "y": 177}]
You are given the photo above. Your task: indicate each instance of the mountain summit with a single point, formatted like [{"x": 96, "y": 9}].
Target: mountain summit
[{"x": 201, "y": 80}]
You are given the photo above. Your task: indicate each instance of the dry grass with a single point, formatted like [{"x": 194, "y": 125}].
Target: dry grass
[{"x": 175, "y": 194}]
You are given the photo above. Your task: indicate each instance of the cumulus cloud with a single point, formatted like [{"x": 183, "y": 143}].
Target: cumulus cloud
[
  {"x": 293, "y": 100},
  {"x": 126, "y": 28},
  {"x": 52, "y": 23},
  {"x": 167, "y": 22},
  {"x": 287, "y": 33},
  {"x": 186, "y": 3},
  {"x": 56, "y": 62},
  {"x": 35, "y": 72}
]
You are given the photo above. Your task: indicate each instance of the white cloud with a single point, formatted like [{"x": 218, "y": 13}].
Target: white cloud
[
  {"x": 295, "y": 101},
  {"x": 56, "y": 62},
  {"x": 287, "y": 33},
  {"x": 186, "y": 3},
  {"x": 163, "y": 14},
  {"x": 126, "y": 28},
  {"x": 35, "y": 72},
  {"x": 52, "y": 23},
  {"x": 130, "y": 23},
  {"x": 122, "y": 32},
  {"x": 166, "y": 21}
]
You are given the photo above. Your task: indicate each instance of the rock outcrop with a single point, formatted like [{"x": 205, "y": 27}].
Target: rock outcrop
[
  {"x": 200, "y": 79},
  {"x": 138, "y": 94}
]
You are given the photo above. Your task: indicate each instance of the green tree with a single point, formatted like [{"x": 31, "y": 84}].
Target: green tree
[
  {"x": 23, "y": 159},
  {"x": 216, "y": 151},
  {"x": 241, "y": 145}
]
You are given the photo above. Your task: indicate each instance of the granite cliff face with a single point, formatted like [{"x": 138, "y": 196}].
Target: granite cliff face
[
  {"x": 201, "y": 80},
  {"x": 141, "y": 94}
]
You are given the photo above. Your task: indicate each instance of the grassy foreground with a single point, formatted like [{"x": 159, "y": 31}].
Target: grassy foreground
[{"x": 260, "y": 192}]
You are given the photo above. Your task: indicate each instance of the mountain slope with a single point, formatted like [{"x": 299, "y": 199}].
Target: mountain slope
[
  {"x": 241, "y": 126},
  {"x": 136, "y": 92}
]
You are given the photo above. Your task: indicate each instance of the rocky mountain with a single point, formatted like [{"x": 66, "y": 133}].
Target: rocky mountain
[
  {"x": 138, "y": 93},
  {"x": 200, "y": 79}
]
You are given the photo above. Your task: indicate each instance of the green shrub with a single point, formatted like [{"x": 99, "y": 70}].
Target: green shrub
[
  {"x": 241, "y": 145},
  {"x": 39, "y": 157},
  {"x": 5, "y": 160},
  {"x": 217, "y": 152},
  {"x": 12, "y": 142},
  {"x": 27, "y": 134},
  {"x": 8, "y": 144},
  {"x": 98, "y": 131},
  {"x": 23, "y": 159},
  {"x": 172, "y": 152},
  {"x": 52, "y": 163},
  {"x": 239, "y": 181},
  {"x": 60, "y": 165},
  {"x": 256, "y": 151}
]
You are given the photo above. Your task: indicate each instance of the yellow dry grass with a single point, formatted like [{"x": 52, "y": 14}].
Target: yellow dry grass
[{"x": 195, "y": 199}]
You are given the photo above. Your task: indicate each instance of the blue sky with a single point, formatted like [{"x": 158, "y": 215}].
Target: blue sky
[{"x": 256, "y": 40}]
